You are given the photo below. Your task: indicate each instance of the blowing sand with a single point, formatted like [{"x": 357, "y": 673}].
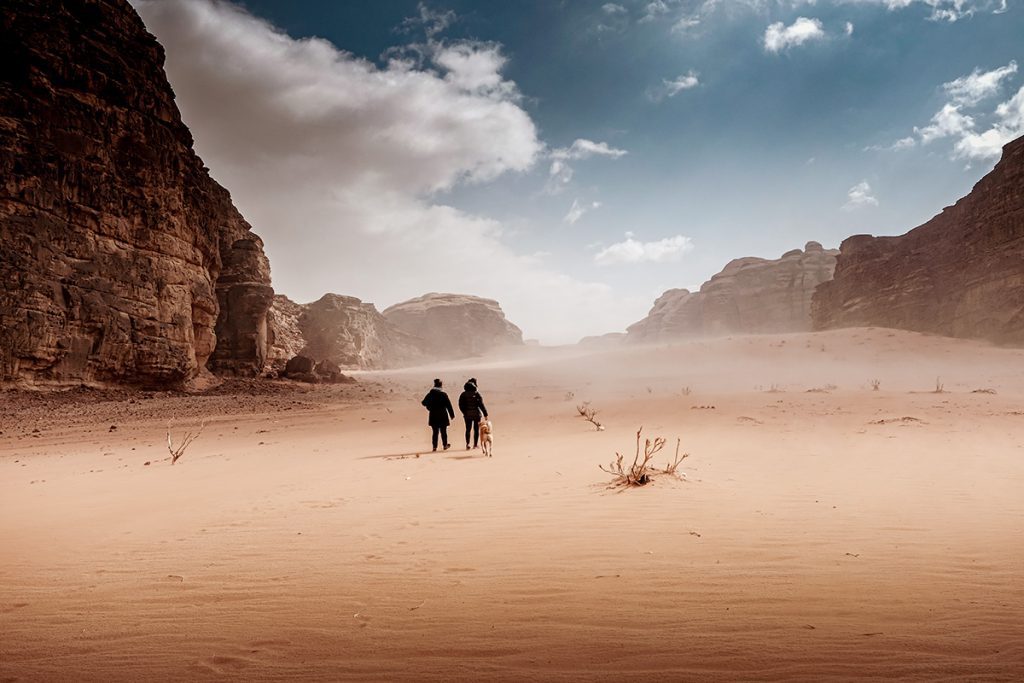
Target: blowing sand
[{"x": 824, "y": 530}]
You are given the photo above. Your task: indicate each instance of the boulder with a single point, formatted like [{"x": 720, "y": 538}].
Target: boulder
[
  {"x": 454, "y": 325},
  {"x": 749, "y": 296},
  {"x": 961, "y": 274},
  {"x": 121, "y": 260}
]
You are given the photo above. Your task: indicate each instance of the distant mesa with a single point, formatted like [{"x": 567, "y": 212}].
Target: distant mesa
[
  {"x": 749, "y": 296},
  {"x": 610, "y": 340},
  {"x": 341, "y": 329},
  {"x": 961, "y": 274},
  {"x": 122, "y": 260},
  {"x": 454, "y": 325},
  {"x": 355, "y": 336}
]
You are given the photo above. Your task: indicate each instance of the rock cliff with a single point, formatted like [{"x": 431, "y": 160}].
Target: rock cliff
[
  {"x": 121, "y": 260},
  {"x": 454, "y": 325},
  {"x": 340, "y": 329},
  {"x": 961, "y": 274},
  {"x": 749, "y": 296}
]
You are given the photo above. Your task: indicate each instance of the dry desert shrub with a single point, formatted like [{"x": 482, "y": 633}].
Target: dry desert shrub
[
  {"x": 190, "y": 436},
  {"x": 940, "y": 388},
  {"x": 876, "y": 384},
  {"x": 590, "y": 415},
  {"x": 641, "y": 471}
]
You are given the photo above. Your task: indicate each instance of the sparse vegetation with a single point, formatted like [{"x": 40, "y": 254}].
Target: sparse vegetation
[
  {"x": 876, "y": 384},
  {"x": 590, "y": 415},
  {"x": 940, "y": 388},
  {"x": 641, "y": 471},
  {"x": 190, "y": 436},
  {"x": 686, "y": 391},
  {"x": 569, "y": 395}
]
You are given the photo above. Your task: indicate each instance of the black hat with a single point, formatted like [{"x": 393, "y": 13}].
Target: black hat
[{"x": 437, "y": 383}]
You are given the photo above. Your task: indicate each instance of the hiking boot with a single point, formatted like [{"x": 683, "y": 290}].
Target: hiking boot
[{"x": 447, "y": 446}]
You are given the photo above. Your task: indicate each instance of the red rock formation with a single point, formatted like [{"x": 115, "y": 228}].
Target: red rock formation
[
  {"x": 454, "y": 325},
  {"x": 961, "y": 274},
  {"x": 749, "y": 296},
  {"x": 121, "y": 260},
  {"x": 352, "y": 335}
]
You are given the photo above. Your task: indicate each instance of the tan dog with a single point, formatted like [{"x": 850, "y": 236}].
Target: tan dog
[{"x": 486, "y": 437}]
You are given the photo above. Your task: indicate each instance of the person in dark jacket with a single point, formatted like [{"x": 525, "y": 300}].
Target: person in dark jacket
[
  {"x": 471, "y": 403},
  {"x": 439, "y": 407}
]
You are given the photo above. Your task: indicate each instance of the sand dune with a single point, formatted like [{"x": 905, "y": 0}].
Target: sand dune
[{"x": 823, "y": 531}]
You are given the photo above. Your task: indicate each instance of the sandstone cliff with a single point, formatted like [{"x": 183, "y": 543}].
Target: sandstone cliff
[
  {"x": 454, "y": 325},
  {"x": 961, "y": 274},
  {"x": 749, "y": 296},
  {"x": 340, "y": 329},
  {"x": 121, "y": 260}
]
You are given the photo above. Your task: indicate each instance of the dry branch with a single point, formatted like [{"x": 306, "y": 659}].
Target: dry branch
[
  {"x": 590, "y": 415},
  {"x": 177, "y": 452}
]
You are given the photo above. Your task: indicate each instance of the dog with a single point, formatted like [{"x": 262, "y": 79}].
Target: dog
[{"x": 486, "y": 438}]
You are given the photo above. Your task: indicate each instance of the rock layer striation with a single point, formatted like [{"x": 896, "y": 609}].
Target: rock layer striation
[
  {"x": 961, "y": 274},
  {"x": 749, "y": 296},
  {"x": 454, "y": 325},
  {"x": 121, "y": 260}
]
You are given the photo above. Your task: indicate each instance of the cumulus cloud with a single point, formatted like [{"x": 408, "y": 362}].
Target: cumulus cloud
[
  {"x": 978, "y": 85},
  {"x": 778, "y": 36},
  {"x": 560, "y": 173},
  {"x": 339, "y": 163},
  {"x": 946, "y": 122},
  {"x": 654, "y": 10},
  {"x": 577, "y": 210},
  {"x": 670, "y": 87},
  {"x": 859, "y": 196},
  {"x": 968, "y": 92},
  {"x": 1008, "y": 125},
  {"x": 632, "y": 250},
  {"x": 944, "y": 10}
]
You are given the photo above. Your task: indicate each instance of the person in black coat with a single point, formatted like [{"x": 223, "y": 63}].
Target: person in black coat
[
  {"x": 471, "y": 403},
  {"x": 439, "y": 407}
]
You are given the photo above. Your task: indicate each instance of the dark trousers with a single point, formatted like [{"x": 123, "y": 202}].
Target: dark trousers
[
  {"x": 443, "y": 431},
  {"x": 472, "y": 424}
]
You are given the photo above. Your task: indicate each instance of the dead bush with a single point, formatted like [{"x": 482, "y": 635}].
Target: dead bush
[
  {"x": 641, "y": 471},
  {"x": 590, "y": 415},
  {"x": 179, "y": 450}
]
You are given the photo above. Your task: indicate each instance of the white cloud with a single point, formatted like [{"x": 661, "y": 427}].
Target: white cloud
[
  {"x": 778, "y": 36},
  {"x": 684, "y": 24},
  {"x": 632, "y": 250},
  {"x": 947, "y": 121},
  {"x": 968, "y": 92},
  {"x": 560, "y": 173},
  {"x": 978, "y": 85},
  {"x": 654, "y": 10},
  {"x": 613, "y": 8},
  {"x": 1009, "y": 125},
  {"x": 338, "y": 162},
  {"x": 670, "y": 87},
  {"x": 849, "y": 28},
  {"x": 859, "y": 196},
  {"x": 582, "y": 148},
  {"x": 577, "y": 210}
]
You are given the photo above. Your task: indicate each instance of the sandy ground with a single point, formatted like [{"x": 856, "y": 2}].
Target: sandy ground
[{"x": 823, "y": 531}]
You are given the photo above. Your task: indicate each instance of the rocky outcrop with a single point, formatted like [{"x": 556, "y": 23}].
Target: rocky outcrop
[
  {"x": 454, "y": 325},
  {"x": 341, "y": 329},
  {"x": 749, "y": 296},
  {"x": 961, "y": 274},
  {"x": 286, "y": 341},
  {"x": 305, "y": 369},
  {"x": 121, "y": 260}
]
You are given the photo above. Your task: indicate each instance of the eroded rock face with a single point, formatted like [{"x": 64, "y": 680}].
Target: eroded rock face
[
  {"x": 961, "y": 274},
  {"x": 749, "y": 296},
  {"x": 341, "y": 329},
  {"x": 286, "y": 340},
  {"x": 121, "y": 260},
  {"x": 454, "y": 325}
]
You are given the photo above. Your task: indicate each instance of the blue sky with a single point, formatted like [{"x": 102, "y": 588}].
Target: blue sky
[{"x": 575, "y": 159}]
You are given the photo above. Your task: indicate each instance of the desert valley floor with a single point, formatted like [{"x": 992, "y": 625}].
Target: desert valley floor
[{"x": 823, "y": 530}]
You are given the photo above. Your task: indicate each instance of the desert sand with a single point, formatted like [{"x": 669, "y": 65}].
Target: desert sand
[{"x": 822, "y": 529}]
